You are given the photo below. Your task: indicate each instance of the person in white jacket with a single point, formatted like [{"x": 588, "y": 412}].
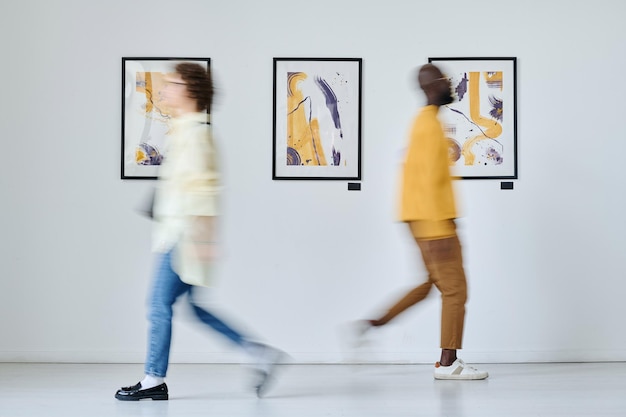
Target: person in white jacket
[{"x": 185, "y": 240}]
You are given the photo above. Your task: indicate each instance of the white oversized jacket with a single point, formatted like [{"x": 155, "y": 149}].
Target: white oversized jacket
[{"x": 188, "y": 186}]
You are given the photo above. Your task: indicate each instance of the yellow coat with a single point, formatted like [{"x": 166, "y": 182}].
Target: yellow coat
[{"x": 426, "y": 190}]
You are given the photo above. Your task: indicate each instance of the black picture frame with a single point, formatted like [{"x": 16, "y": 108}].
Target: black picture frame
[
  {"x": 144, "y": 121},
  {"x": 317, "y": 119},
  {"x": 481, "y": 125}
]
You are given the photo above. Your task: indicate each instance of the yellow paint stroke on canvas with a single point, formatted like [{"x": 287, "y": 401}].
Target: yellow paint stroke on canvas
[
  {"x": 140, "y": 155},
  {"x": 151, "y": 84},
  {"x": 492, "y": 129},
  {"x": 143, "y": 86},
  {"x": 303, "y": 136}
]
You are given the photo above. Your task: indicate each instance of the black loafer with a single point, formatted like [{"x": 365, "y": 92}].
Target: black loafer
[{"x": 135, "y": 393}]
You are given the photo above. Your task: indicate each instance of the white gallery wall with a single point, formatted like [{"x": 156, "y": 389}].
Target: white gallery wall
[{"x": 545, "y": 261}]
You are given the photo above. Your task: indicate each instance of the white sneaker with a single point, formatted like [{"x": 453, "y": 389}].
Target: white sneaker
[
  {"x": 265, "y": 360},
  {"x": 458, "y": 370}
]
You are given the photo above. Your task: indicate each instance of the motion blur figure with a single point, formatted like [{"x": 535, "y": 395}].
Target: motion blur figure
[
  {"x": 184, "y": 236},
  {"x": 428, "y": 208}
]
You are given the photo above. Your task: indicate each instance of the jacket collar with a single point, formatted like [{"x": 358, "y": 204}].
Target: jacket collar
[{"x": 192, "y": 117}]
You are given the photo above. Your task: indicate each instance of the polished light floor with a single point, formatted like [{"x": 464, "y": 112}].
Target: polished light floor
[{"x": 512, "y": 390}]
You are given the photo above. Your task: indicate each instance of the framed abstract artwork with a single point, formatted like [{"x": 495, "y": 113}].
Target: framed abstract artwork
[
  {"x": 317, "y": 119},
  {"x": 481, "y": 124},
  {"x": 145, "y": 116}
]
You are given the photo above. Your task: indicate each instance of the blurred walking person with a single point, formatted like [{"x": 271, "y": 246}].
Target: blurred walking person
[
  {"x": 186, "y": 209},
  {"x": 428, "y": 208}
]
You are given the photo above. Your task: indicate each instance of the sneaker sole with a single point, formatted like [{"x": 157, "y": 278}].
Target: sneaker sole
[{"x": 462, "y": 377}]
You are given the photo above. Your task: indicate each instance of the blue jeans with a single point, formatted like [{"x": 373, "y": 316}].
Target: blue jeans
[{"x": 167, "y": 288}]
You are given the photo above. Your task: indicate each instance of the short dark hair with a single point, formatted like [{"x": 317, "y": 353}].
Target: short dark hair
[{"x": 199, "y": 83}]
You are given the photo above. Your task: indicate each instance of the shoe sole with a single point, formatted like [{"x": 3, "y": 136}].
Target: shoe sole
[
  {"x": 461, "y": 377},
  {"x": 158, "y": 397}
]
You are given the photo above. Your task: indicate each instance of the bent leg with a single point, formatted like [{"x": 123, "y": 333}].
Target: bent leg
[
  {"x": 413, "y": 297},
  {"x": 213, "y": 321}
]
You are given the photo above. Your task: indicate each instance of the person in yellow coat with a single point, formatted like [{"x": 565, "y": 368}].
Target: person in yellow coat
[
  {"x": 427, "y": 206},
  {"x": 184, "y": 237}
]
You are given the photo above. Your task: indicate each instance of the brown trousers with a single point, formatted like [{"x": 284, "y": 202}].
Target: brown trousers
[{"x": 444, "y": 263}]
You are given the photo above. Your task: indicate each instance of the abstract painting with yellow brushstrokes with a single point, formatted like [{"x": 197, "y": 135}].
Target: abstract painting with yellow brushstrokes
[
  {"x": 145, "y": 117},
  {"x": 480, "y": 125},
  {"x": 317, "y": 118}
]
